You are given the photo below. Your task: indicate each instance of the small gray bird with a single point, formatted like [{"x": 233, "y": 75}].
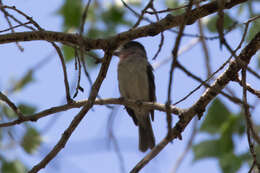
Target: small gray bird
[{"x": 136, "y": 81}]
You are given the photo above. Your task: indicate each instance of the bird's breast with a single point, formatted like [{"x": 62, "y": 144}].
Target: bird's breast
[{"x": 133, "y": 79}]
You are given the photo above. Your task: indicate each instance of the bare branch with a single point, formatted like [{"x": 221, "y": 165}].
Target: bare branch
[
  {"x": 78, "y": 104},
  {"x": 75, "y": 122},
  {"x": 174, "y": 62},
  {"x": 233, "y": 99},
  {"x": 148, "y": 30},
  {"x": 188, "y": 146},
  {"x": 16, "y": 26},
  {"x": 249, "y": 127},
  {"x": 199, "y": 107}
]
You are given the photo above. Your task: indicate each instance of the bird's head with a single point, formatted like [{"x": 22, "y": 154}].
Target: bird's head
[{"x": 130, "y": 48}]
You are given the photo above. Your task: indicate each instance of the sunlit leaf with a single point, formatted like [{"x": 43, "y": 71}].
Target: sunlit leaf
[
  {"x": 71, "y": 11},
  {"x": 31, "y": 140},
  {"x": 13, "y": 167},
  {"x": 235, "y": 124},
  {"x": 230, "y": 163},
  {"x": 23, "y": 81},
  {"x": 95, "y": 33},
  {"x": 205, "y": 149},
  {"x": 114, "y": 16},
  {"x": 217, "y": 114},
  {"x": 27, "y": 109},
  {"x": 174, "y": 4},
  {"x": 211, "y": 25},
  {"x": 255, "y": 27},
  {"x": 69, "y": 53},
  {"x": 8, "y": 112},
  {"x": 257, "y": 150},
  {"x": 225, "y": 142}
]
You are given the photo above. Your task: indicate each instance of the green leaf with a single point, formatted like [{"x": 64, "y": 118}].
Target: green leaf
[
  {"x": 216, "y": 116},
  {"x": 174, "y": 4},
  {"x": 205, "y": 149},
  {"x": 255, "y": 27},
  {"x": 230, "y": 163},
  {"x": 31, "y": 140},
  {"x": 225, "y": 142},
  {"x": 95, "y": 33},
  {"x": 237, "y": 124},
  {"x": 71, "y": 11},
  {"x": 27, "y": 109},
  {"x": 211, "y": 25},
  {"x": 9, "y": 113},
  {"x": 69, "y": 53},
  {"x": 257, "y": 150},
  {"x": 113, "y": 17},
  {"x": 23, "y": 81},
  {"x": 13, "y": 167}
]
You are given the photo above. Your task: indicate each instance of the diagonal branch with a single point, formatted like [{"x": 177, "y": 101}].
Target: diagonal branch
[
  {"x": 77, "y": 119},
  {"x": 199, "y": 107}
]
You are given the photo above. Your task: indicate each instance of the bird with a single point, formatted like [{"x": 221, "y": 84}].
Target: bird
[{"x": 136, "y": 81}]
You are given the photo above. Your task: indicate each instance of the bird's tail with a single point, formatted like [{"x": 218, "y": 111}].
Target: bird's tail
[{"x": 146, "y": 136}]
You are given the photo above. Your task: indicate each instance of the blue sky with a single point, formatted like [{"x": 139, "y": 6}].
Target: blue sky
[{"x": 88, "y": 149}]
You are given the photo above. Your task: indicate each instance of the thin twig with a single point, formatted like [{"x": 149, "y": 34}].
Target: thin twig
[
  {"x": 173, "y": 9},
  {"x": 253, "y": 72},
  {"x": 182, "y": 50},
  {"x": 188, "y": 146},
  {"x": 220, "y": 21},
  {"x": 248, "y": 88},
  {"x": 249, "y": 126},
  {"x": 16, "y": 26},
  {"x": 78, "y": 67},
  {"x": 149, "y": 4},
  {"x": 174, "y": 61},
  {"x": 200, "y": 105},
  {"x": 233, "y": 99},
  {"x": 11, "y": 105},
  {"x": 75, "y": 122},
  {"x": 11, "y": 27},
  {"x": 162, "y": 35},
  {"x": 202, "y": 83},
  {"x": 112, "y": 138},
  {"x": 204, "y": 46},
  {"x": 80, "y": 56},
  {"x": 53, "y": 44}
]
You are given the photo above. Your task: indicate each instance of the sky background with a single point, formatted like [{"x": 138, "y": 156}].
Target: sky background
[{"x": 89, "y": 148}]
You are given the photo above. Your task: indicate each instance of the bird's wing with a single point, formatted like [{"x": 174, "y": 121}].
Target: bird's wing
[
  {"x": 132, "y": 114},
  {"x": 152, "y": 96}
]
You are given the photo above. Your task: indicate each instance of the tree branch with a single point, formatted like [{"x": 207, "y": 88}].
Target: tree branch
[
  {"x": 199, "y": 107},
  {"x": 78, "y": 104},
  {"x": 153, "y": 29},
  {"x": 77, "y": 119}
]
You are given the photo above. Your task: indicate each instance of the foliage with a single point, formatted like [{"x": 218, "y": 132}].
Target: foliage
[
  {"x": 105, "y": 20},
  {"x": 225, "y": 125}
]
